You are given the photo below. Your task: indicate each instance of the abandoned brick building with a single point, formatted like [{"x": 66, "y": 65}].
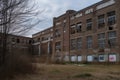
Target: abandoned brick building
[
  {"x": 88, "y": 35},
  {"x": 43, "y": 44},
  {"x": 91, "y": 34},
  {"x": 16, "y": 45}
]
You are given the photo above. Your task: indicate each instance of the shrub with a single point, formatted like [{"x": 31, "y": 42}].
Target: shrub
[{"x": 17, "y": 64}]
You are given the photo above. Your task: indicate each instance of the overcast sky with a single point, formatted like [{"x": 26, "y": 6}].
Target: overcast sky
[{"x": 54, "y": 8}]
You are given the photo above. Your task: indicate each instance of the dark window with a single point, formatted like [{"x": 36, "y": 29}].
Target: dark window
[
  {"x": 51, "y": 37},
  {"x": 79, "y": 27},
  {"x": 89, "y": 24},
  {"x": 18, "y": 40},
  {"x": 64, "y": 27},
  {"x": 30, "y": 41},
  {"x": 111, "y": 27},
  {"x": 101, "y": 21},
  {"x": 111, "y": 18},
  {"x": 38, "y": 39}
]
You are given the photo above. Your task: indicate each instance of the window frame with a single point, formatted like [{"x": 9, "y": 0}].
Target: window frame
[
  {"x": 89, "y": 24},
  {"x": 111, "y": 17},
  {"x": 89, "y": 42},
  {"x": 101, "y": 21},
  {"x": 112, "y": 40},
  {"x": 101, "y": 40}
]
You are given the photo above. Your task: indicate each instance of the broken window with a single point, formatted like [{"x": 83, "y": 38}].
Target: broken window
[
  {"x": 73, "y": 29},
  {"x": 89, "y": 24},
  {"x": 58, "y": 46},
  {"x": 111, "y": 18},
  {"x": 57, "y": 33},
  {"x": 79, "y": 27},
  {"x": 101, "y": 21},
  {"x": 112, "y": 39}
]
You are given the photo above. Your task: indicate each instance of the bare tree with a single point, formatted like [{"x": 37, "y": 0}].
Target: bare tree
[{"x": 16, "y": 17}]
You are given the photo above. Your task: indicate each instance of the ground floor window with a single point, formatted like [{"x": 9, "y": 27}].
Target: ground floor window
[
  {"x": 66, "y": 58},
  {"x": 90, "y": 58},
  {"x": 73, "y": 58},
  {"x": 58, "y": 57},
  {"x": 101, "y": 58},
  {"x": 79, "y": 58},
  {"x": 112, "y": 58}
]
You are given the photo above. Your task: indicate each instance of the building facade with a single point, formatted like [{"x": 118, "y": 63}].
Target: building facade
[
  {"x": 89, "y": 35},
  {"x": 42, "y": 45},
  {"x": 16, "y": 45}
]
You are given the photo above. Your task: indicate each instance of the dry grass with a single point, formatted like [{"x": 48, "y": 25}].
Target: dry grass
[
  {"x": 18, "y": 64},
  {"x": 74, "y": 72}
]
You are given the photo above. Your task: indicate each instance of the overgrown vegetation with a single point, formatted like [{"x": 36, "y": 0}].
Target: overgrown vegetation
[
  {"x": 17, "y": 17},
  {"x": 74, "y": 72},
  {"x": 17, "y": 65},
  {"x": 83, "y": 75}
]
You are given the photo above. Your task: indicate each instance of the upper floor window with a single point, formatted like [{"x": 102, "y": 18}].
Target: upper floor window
[
  {"x": 79, "y": 43},
  {"x": 64, "y": 27},
  {"x": 58, "y": 46},
  {"x": 44, "y": 38},
  {"x": 57, "y": 33},
  {"x": 38, "y": 39},
  {"x": 73, "y": 44},
  {"x": 111, "y": 18},
  {"x": 51, "y": 37},
  {"x": 89, "y": 42},
  {"x": 33, "y": 41},
  {"x": 101, "y": 21},
  {"x": 101, "y": 40},
  {"x": 58, "y": 23},
  {"x": 72, "y": 17},
  {"x": 112, "y": 38},
  {"x": 73, "y": 29},
  {"x": 30, "y": 41},
  {"x": 13, "y": 39},
  {"x": 79, "y": 27},
  {"x": 23, "y": 41},
  {"x": 18, "y": 40},
  {"x": 89, "y": 24}
]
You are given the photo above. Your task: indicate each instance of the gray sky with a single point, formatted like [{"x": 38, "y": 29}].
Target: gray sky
[{"x": 54, "y": 8}]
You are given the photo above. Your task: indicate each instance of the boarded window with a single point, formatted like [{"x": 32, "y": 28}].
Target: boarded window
[
  {"x": 89, "y": 58},
  {"x": 112, "y": 58}
]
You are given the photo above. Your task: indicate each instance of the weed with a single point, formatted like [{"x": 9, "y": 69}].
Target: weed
[
  {"x": 84, "y": 75},
  {"x": 55, "y": 71}
]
